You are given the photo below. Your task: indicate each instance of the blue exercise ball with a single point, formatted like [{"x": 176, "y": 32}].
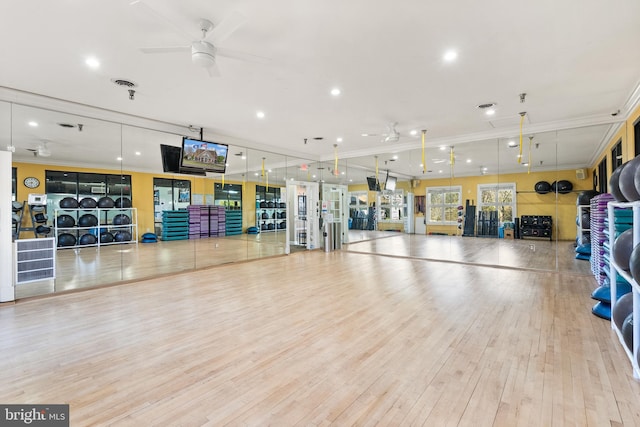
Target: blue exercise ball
[
  {"x": 627, "y": 180},
  {"x": 622, "y": 249},
  {"x": 614, "y": 184}
]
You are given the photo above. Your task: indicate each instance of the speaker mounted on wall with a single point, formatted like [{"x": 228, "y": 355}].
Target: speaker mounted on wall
[{"x": 581, "y": 173}]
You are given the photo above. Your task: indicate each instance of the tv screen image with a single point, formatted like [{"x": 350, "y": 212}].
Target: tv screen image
[{"x": 210, "y": 156}]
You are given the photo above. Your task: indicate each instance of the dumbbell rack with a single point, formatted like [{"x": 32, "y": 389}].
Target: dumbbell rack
[{"x": 634, "y": 352}]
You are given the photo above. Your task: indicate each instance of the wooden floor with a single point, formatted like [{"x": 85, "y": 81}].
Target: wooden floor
[{"x": 315, "y": 339}]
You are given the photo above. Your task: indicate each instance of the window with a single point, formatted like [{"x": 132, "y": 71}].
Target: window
[
  {"x": 616, "y": 155},
  {"x": 442, "y": 205},
  {"x": 636, "y": 136},
  {"x": 500, "y": 198},
  {"x": 602, "y": 176}
]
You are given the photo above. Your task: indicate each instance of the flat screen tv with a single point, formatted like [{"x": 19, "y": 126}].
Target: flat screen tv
[
  {"x": 171, "y": 161},
  {"x": 373, "y": 183},
  {"x": 210, "y": 156},
  {"x": 390, "y": 184}
]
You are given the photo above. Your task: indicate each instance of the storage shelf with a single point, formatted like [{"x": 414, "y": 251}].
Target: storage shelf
[{"x": 102, "y": 215}]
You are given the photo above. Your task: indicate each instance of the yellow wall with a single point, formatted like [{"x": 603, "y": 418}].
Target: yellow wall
[
  {"x": 563, "y": 210},
  {"x": 141, "y": 190}
]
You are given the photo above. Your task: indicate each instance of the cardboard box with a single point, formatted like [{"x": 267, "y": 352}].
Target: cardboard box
[{"x": 508, "y": 234}]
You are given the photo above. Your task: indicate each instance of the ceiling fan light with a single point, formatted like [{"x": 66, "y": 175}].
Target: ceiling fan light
[{"x": 203, "y": 54}]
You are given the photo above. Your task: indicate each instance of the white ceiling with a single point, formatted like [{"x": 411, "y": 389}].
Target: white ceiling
[{"x": 577, "y": 61}]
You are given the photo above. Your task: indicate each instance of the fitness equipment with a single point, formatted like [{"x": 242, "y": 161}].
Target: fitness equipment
[
  {"x": 614, "y": 184},
  {"x": 469, "y": 219},
  {"x": 121, "y": 219},
  {"x": 584, "y": 197},
  {"x": 65, "y": 221},
  {"x": 68, "y": 203},
  {"x": 622, "y": 308},
  {"x": 149, "y": 238},
  {"x": 563, "y": 186},
  {"x": 602, "y": 310},
  {"x": 88, "y": 203},
  {"x": 106, "y": 237},
  {"x": 123, "y": 202},
  {"x": 87, "y": 239},
  {"x": 634, "y": 263},
  {"x": 106, "y": 202},
  {"x": 43, "y": 229},
  {"x": 66, "y": 239},
  {"x": 87, "y": 220},
  {"x": 542, "y": 187},
  {"x": 626, "y": 182},
  {"x": 622, "y": 248},
  {"x": 627, "y": 331},
  {"x": 122, "y": 236},
  {"x": 253, "y": 230}
]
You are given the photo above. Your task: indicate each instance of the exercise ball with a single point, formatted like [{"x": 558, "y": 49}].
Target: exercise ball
[
  {"x": 584, "y": 197},
  {"x": 65, "y": 221},
  {"x": 106, "y": 202},
  {"x": 564, "y": 187},
  {"x": 87, "y": 220},
  {"x": 614, "y": 184},
  {"x": 123, "y": 202},
  {"x": 88, "y": 203},
  {"x": 622, "y": 308},
  {"x": 88, "y": 239},
  {"x": 43, "y": 229},
  {"x": 627, "y": 183},
  {"x": 622, "y": 248},
  {"x": 634, "y": 263},
  {"x": 68, "y": 203},
  {"x": 586, "y": 219},
  {"x": 66, "y": 239},
  {"x": 106, "y": 237},
  {"x": 121, "y": 219},
  {"x": 122, "y": 236},
  {"x": 542, "y": 187},
  {"x": 627, "y": 331}
]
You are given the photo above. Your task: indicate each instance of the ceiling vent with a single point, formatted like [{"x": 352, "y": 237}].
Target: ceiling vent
[{"x": 124, "y": 83}]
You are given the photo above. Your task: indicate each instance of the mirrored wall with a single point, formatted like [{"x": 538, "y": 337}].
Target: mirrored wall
[{"x": 425, "y": 211}]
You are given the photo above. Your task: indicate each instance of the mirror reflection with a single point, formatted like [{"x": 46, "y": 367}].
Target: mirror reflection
[{"x": 121, "y": 204}]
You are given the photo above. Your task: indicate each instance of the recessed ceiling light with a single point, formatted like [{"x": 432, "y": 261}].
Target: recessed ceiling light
[
  {"x": 440, "y": 171},
  {"x": 413, "y": 132},
  {"x": 450, "y": 55},
  {"x": 256, "y": 173},
  {"x": 119, "y": 159},
  {"x": 442, "y": 147},
  {"x": 342, "y": 173},
  {"x": 421, "y": 165},
  {"x": 138, "y": 153},
  {"x": 364, "y": 134},
  {"x": 512, "y": 144},
  {"x": 395, "y": 157},
  {"x": 335, "y": 91},
  {"x": 243, "y": 157},
  {"x": 269, "y": 171},
  {"x": 485, "y": 169},
  {"x": 490, "y": 112},
  {"x": 260, "y": 114},
  {"x": 468, "y": 160},
  {"x": 33, "y": 124},
  {"x": 339, "y": 139},
  {"x": 92, "y": 62},
  {"x": 525, "y": 164},
  {"x": 313, "y": 176}
]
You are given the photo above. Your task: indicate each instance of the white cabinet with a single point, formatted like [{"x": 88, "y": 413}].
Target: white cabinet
[
  {"x": 75, "y": 228},
  {"x": 635, "y": 288}
]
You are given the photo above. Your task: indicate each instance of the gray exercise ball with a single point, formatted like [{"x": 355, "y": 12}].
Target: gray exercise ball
[
  {"x": 621, "y": 309},
  {"x": 622, "y": 249},
  {"x": 627, "y": 180},
  {"x": 614, "y": 187}
]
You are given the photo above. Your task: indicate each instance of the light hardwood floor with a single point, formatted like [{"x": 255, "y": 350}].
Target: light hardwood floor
[{"x": 312, "y": 339}]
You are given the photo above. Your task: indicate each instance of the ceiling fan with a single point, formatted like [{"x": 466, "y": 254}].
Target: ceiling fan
[
  {"x": 391, "y": 135},
  {"x": 205, "y": 50},
  {"x": 41, "y": 150}
]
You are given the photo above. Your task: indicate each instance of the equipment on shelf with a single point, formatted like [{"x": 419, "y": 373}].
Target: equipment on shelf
[
  {"x": 469, "y": 219},
  {"x": 536, "y": 226}
]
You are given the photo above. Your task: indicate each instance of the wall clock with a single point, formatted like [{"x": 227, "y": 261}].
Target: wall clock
[{"x": 31, "y": 182}]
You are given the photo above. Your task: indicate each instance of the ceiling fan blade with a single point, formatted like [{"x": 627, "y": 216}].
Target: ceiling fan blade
[
  {"x": 242, "y": 56},
  {"x": 172, "y": 49},
  {"x": 225, "y": 28},
  {"x": 166, "y": 15}
]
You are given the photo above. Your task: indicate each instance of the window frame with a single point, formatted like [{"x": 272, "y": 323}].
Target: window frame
[
  {"x": 499, "y": 186},
  {"x": 443, "y": 205}
]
